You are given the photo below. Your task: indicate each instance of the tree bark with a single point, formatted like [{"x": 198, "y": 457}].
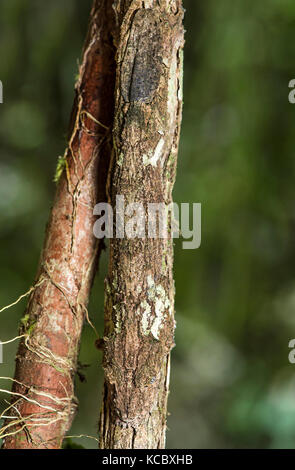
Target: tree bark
[
  {"x": 139, "y": 302},
  {"x": 43, "y": 401}
]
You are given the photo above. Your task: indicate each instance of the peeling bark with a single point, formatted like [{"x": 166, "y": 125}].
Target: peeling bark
[
  {"x": 139, "y": 302},
  {"x": 47, "y": 358}
]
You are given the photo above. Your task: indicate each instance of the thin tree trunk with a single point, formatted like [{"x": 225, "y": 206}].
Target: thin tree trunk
[
  {"x": 139, "y": 304},
  {"x": 43, "y": 401}
]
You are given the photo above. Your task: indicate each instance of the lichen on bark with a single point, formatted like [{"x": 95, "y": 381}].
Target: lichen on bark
[{"x": 139, "y": 306}]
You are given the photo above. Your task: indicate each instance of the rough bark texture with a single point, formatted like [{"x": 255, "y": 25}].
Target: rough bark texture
[
  {"x": 47, "y": 358},
  {"x": 139, "y": 303}
]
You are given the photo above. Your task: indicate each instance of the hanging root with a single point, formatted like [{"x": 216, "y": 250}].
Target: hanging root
[
  {"x": 12, "y": 340},
  {"x": 88, "y": 319},
  {"x": 57, "y": 410},
  {"x": 50, "y": 409},
  {"x": 48, "y": 357},
  {"x": 24, "y": 295},
  {"x": 80, "y": 436},
  {"x": 92, "y": 119}
]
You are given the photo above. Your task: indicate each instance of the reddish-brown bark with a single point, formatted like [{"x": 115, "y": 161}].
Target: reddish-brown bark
[{"x": 47, "y": 357}]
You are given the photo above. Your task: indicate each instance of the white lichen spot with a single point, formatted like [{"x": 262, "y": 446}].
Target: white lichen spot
[
  {"x": 138, "y": 289},
  {"x": 146, "y": 317},
  {"x": 107, "y": 287},
  {"x": 148, "y": 3},
  {"x": 118, "y": 314},
  {"x": 156, "y": 327},
  {"x": 172, "y": 89},
  {"x": 54, "y": 324},
  {"x": 115, "y": 281},
  {"x": 153, "y": 157},
  {"x": 150, "y": 281},
  {"x": 154, "y": 310},
  {"x": 120, "y": 159},
  {"x": 145, "y": 159},
  {"x": 161, "y": 304},
  {"x": 165, "y": 61}
]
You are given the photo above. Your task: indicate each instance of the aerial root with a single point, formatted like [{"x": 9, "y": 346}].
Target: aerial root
[
  {"x": 84, "y": 112},
  {"x": 80, "y": 436},
  {"x": 24, "y": 295},
  {"x": 52, "y": 414},
  {"x": 48, "y": 357},
  {"x": 13, "y": 339},
  {"x": 88, "y": 319}
]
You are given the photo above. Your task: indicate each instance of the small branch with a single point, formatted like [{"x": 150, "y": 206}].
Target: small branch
[{"x": 46, "y": 361}]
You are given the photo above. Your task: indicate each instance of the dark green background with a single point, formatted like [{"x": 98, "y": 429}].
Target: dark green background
[{"x": 231, "y": 383}]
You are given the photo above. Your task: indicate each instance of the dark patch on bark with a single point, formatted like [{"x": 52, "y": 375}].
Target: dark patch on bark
[{"x": 141, "y": 70}]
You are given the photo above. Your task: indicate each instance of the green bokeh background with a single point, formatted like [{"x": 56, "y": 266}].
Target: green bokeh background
[{"x": 231, "y": 383}]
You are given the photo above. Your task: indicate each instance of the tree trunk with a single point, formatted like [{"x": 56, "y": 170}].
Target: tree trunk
[
  {"x": 139, "y": 304},
  {"x": 43, "y": 400}
]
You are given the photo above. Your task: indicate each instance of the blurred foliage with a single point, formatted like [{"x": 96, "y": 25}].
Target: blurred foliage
[{"x": 231, "y": 383}]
